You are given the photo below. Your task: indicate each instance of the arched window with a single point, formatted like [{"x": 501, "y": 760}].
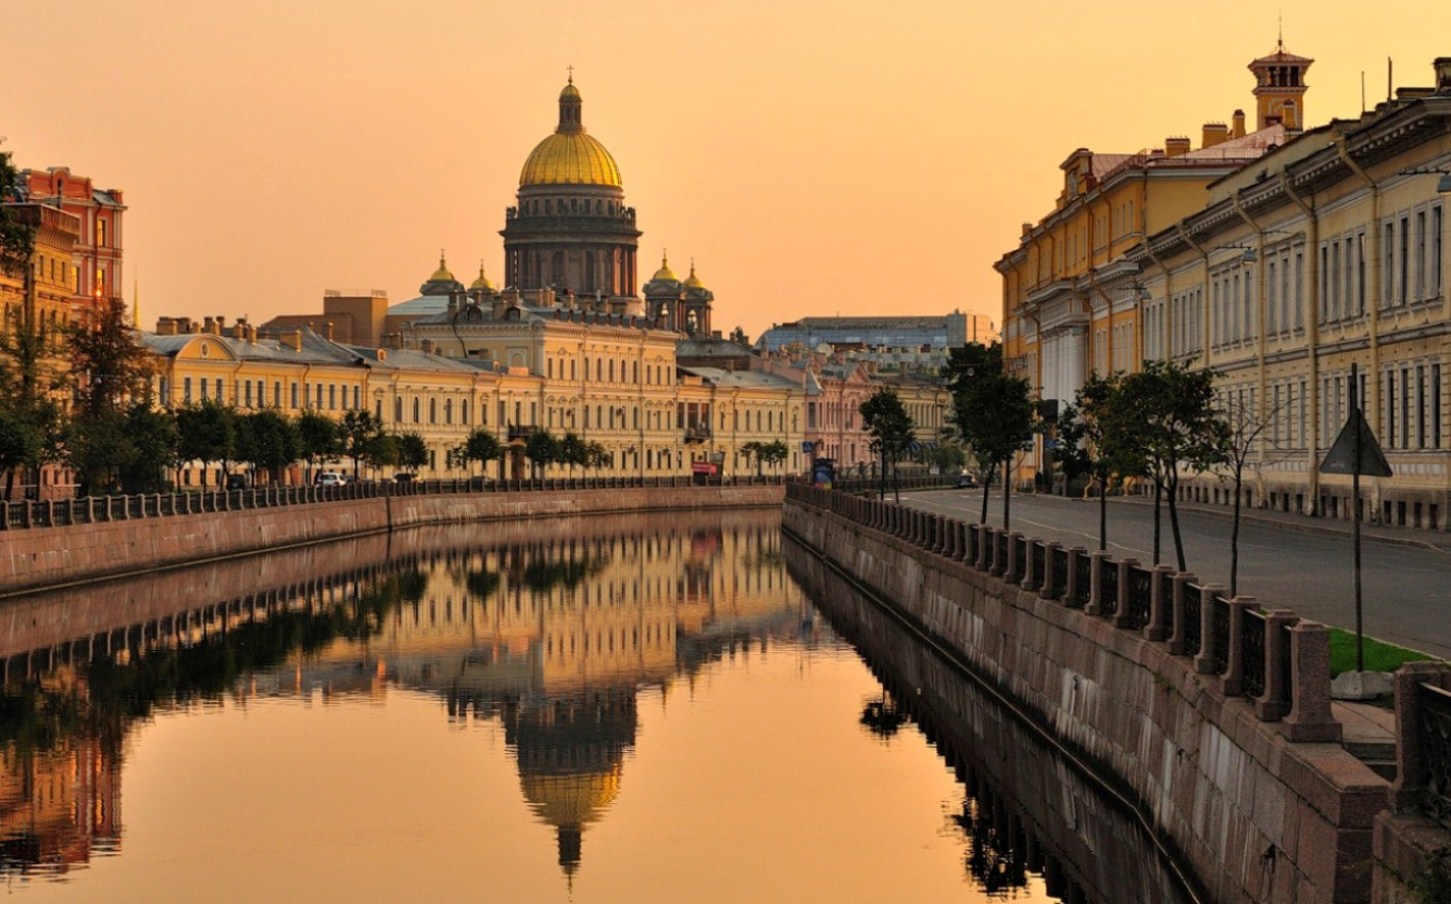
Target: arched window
[
  {"x": 448, "y": 411},
  {"x": 397, "y": 409},
  {"x": 417, "y": 410},
  {"x": 433, "y": 411}
]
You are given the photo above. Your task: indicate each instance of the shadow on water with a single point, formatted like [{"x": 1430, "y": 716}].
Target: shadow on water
[{"x": 1027, "y": 809}]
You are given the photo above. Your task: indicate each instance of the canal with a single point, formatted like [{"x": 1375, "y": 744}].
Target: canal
[{"x": 681, "y": 707}]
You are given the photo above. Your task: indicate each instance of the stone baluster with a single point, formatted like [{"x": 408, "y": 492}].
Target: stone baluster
[
  {"x": 1045, "y": 582},
  {"x": 1095, "y": 583},
  {"x": 1122, "y": 617},
  {"x": 1070, "y": 586},
  {"x": 1210, "y": 659},
  {"x": 984, "y": 547},
  {"x": 1411, "y": 772},
  {"x": 1310, "y": 718},
  {"x": 1276, "y": 701},
  {"x": 1158, "y": 603},
  {"x": 1030, "y": 577}
]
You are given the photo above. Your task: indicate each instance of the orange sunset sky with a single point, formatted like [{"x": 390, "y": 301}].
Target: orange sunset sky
[{"x": 812, "y": 157}]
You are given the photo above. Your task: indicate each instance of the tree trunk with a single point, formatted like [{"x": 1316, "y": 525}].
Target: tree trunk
[
  {"x": 987, "y": 482},
  {"x": 1007, "y": 497},
  {"x": 1172, "y": 488},
  {"x": 1103, "y": 514},
  {"x": 1234, "y": 537},
  {"x": 1158, "y": 519}
]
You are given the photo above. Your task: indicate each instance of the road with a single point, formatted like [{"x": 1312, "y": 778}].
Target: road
[{"x": 1406, "y": 589}]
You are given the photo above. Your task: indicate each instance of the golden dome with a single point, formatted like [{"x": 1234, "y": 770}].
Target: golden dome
[
  {"x": 570, "y": 156},
  {"x": 692, "y": 281},
  {"x": 482, "y": 282},
  {"x": 442, "y": 273},
  {"x": 664, "y": 272}
]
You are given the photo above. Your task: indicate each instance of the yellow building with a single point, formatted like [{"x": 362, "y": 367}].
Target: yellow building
[
  {"x": 1328, "y": 252},
  {"x": 1071, "y": 300}
]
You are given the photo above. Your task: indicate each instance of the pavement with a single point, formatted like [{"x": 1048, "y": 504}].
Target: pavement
[{"x": 1380, "y": 533}]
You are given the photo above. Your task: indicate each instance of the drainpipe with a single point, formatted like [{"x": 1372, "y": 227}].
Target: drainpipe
[
  {"x": 1108, "y": 305},
  {"x": 1312, "y": 343},
  {"x": 1260, "y": 328}
]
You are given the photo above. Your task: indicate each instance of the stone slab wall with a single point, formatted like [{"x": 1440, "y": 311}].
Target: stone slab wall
[
  {"x": 1256, "y": 817},
  {"x": 47, "y": 557}
]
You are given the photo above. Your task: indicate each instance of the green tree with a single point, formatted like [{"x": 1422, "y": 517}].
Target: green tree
[
  {"x": 573, "y": 451},
  {"x": 752, "y": 450},
  {"x": 318, "y": 438},
  {"x": 542, "y": 450},
  {"x": 208, "y": 433},
  {"x": 890, "y": 426},
  {"x": 22, "y": 444},
  {"x": 1174, "y": 427},
  {"x": 380, "y": 450},
  {"x": 1089, "y": 444},
  {"x": 112, "y": 371},
  {"x": 268, "y": 441},
  {"x": 412, "y": 451},
  {"x": 948, "y": 457},
  {"x": 361, "y": 437},
  {"x": 481, "y": 446},
  {"x": 995, "y": 414},
  {"x": 772, "y": 453},
  {"x": 150, "y": 451}
]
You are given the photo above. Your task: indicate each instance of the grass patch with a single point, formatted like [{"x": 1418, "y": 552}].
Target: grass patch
[{"x": 1379, "y": 656}]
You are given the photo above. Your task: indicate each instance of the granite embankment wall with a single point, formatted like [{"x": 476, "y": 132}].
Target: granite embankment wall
[
  {"x": 49, "y": 556},
  {"x": 1255, "y": 816}
]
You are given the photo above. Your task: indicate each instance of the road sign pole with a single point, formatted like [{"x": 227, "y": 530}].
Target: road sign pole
[{"x": 1355, "y": 515}]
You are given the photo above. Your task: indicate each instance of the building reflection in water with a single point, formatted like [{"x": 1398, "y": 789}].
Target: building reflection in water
[{"x": 552, "y": 634}]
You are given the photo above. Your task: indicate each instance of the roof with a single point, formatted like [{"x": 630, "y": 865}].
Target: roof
[{"x": 742, "y": 378}]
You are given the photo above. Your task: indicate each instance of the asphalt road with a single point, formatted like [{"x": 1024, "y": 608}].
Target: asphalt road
[{"x": 1406, "y": 589}]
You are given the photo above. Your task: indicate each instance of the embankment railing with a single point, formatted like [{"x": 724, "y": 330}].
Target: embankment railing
[{"x": 1278, "y": 663}]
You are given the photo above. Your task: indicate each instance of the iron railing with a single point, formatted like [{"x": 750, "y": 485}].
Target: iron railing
[
  {"x": 1082, "y": 580},
  {"x": 1219, "y": 625},
  {"x": 1193, "y": 620},
  {"x": 1108, "y": 587},
  {"x": 1060, "y": 574},
  {"x": 1252, "y": 643},
  {"x": 1141, "y": 589},
  {"x": 1435, "y": 737}
]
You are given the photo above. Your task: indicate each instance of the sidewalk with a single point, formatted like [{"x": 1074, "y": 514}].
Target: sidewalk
[{"x": 1405, "y": 536}]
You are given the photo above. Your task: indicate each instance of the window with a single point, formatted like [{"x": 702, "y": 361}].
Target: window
[
  {"x": 1405, "y": 259},
  {"x": 186, "y": 390},
  {"x": 100, "y": 232}
]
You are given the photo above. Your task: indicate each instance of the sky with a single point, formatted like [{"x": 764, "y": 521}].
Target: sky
[{"x": 812, "y": 157}]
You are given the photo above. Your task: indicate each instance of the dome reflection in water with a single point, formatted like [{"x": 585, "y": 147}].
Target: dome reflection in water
[{"x": 637, "y": 708}]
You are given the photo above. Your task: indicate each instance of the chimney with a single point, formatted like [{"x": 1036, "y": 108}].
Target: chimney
[
  {"x": 209, "y": 324},
  {"x": 1214, "y": 133},
  {"x": 165, "y": 326},
  {"x": 293, "y": 340},
  {"x": 221, "y": 325},
  {"x": 1443, "y": 75},
  {"x": 1176, "y": 146},
  {"x": 239, "y": 330},
  {"x": 327, "y": 330},
  {"x": 1237, "y": 130},
  {"x": 251, "y": 334}
]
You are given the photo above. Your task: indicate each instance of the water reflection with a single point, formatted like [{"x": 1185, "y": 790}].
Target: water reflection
[
  {"x": 552, "y": 632},
  {"x": 1027, "y": 813}
]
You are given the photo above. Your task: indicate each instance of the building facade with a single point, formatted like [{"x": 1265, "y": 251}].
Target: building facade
[{"x": 97, "y": 252}]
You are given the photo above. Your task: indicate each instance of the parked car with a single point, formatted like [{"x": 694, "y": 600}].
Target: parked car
[
  {"x": 239, "y": 481},
  {"x": 966, "y": 482},
  {"x": 404, "y": 477},
  {"x": 328, "y": 479}
]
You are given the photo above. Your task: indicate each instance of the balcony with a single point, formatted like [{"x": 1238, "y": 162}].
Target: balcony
[
  {"x": 522, "y": 432},
  {"x": 697, "y": 433}
]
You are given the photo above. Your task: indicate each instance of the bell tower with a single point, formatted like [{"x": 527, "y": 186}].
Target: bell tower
[{"x": 1280, "y": 88}]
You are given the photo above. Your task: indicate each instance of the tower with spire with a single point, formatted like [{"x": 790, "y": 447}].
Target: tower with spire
[{"x": 1280, "y": 88}]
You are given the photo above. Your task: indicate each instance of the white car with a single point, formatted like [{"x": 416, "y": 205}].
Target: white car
[{"x": 329, "y": 479}]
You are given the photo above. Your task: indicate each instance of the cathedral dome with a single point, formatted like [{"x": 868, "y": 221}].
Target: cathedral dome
[
  {"x": 692, "y": 281},
  {"x": 664, "y": 273},
  {"x": 570, "y": 156}
]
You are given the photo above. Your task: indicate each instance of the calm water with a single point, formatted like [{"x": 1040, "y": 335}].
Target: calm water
[{"x": 609, "y": 710}]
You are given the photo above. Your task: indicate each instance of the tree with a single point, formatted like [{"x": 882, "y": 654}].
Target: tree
[
  {"x": 542, "y": 449},
  {"x": 773, "y": 453},
  {"x": 481, "y": 446},
  {"x": 412, "y": 451},
  {"x": 1170, "y": 420},
  {"x": 1089, "y": 444},
  {"x": 318, "y": 439},
  {"x": 208, "y": 433},
  {"x": 29, "y": 415},
  {"x": 573, "y": 451},
  {"x": 268, "y": 441},
  {"x": 890, "y": 426},
  {"x": 380, "y": 450},
  {"x": 22, "y": 444},
  {"x": 112, "y": 371},
  {"x": 151, "y": 449},
  {"x": 360, "y": 437},
  {"x": 995, "y": 414},
  {"x": 948, "y": 457},
  {"x": 1247, "y": 437}
]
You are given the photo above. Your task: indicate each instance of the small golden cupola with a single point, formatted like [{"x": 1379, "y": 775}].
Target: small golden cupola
[
  {"x": 482, "y": 283},
  {"x": 665, "y": 273},
  {"x": 692, "y": 281},
  {"x": 442, "y": 274}
]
